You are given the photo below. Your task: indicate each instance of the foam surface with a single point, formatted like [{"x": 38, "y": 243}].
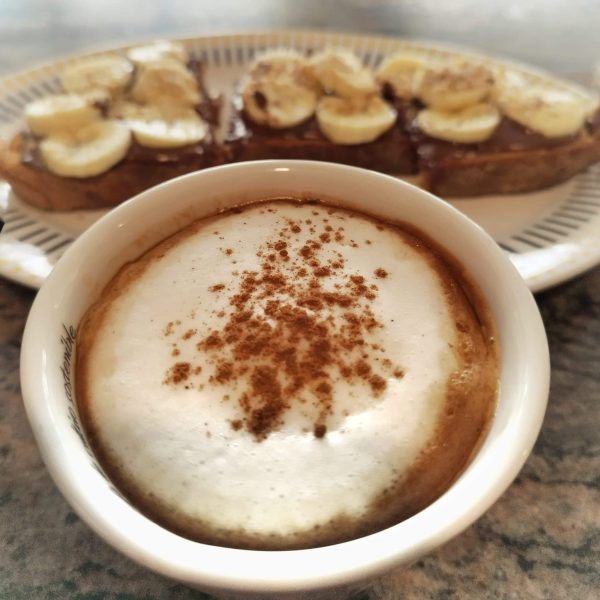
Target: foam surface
[{"x": 175, "y": 443}]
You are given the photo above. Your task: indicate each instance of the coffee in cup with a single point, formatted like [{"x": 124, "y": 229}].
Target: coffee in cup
[{"x": 287, "y": 374}]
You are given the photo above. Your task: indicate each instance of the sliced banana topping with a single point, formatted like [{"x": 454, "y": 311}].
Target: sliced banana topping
[
  {"x": 283, "y": 64},
  {"x": 109, "y": 73},
  {"x": 354, "y": 121},
  {"x": 277, "y": 103},
  {"x": 142, "y": 55},
  {"x": 469, "y": 125},
  {"x": 60, "y": 113},
  {"x": 98, "y": 98},
  {"x": 165, "y": 81},
  {"x": 163, "y": 126},
  {"x": 279, "y": 61},
  {"x": 508, "y": 77},
  {"x": 553, "y": 112},
  {"x": 403, "y": 72},
  {"x": 341, "y": 73},
  {"x": 89, "y": 151},
  {"x": 464, "y": 102},
  {"x": 456, "y": 85},
  {"x": 277, "y": 92}
]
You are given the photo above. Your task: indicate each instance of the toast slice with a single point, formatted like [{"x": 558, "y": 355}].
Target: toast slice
[
  {"x": 480, "y": 128},
  {"x": 392, "y": 152},
  {"x": 325, "y": 105},
  {"x": 23, "y": 167}
]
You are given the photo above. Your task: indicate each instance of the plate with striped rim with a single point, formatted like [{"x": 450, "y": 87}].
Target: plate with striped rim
[{"x": 551, "y": 235}]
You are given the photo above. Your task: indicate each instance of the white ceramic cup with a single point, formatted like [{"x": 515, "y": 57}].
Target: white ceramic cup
[{"x": 126, "y": 232}]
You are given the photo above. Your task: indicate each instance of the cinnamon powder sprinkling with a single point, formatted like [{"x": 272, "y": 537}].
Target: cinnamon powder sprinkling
[
  {"x": 179, "y": 372},
  {"x": 292, "y": 333}
]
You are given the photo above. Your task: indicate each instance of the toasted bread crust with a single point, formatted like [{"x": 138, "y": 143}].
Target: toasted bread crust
[
  {"x": 393, "y": 154},
  {"x": 39, "y": 187},
  {"x": 473, "y": 175},
  {"x": 511, "y": 171}
]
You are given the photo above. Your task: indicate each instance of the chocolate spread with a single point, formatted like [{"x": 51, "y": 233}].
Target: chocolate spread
[{"x": 508, "y": 136}]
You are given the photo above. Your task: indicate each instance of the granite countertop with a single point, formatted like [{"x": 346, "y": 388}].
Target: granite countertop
[{"x": 541, "y": 540}]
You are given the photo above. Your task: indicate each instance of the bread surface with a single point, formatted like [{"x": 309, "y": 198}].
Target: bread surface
[
  {"x": 512, "y": 171},
  {"x": 37, "y": 186},
  {"x": 390, "y": 153}
]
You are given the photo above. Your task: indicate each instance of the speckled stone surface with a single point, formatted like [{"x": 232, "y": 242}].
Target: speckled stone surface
[{"x": 541, "y": 540}]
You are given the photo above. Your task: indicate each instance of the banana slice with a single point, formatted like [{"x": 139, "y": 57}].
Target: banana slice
[
  {"x": 278, "y": 103},
  {"x": 60, "y": 113},
  {"x": 348, "y": 122},
  {"x": 341, "y": 73},
  {"x": 277, "y": 91},
  {"x": 469, "y": 125},
  {"x": 165, "y": 81},
  {"x": 271, "y": 64},
  {"x": 455, "y": 86},
  {"x": 162, "y": 126},
  {"x": 403, "y": 72},
  {"x": 508, "y": 77},
  {"x": 98, "y": 98},
  {"x": 553, "y": 112},
  {"x": 90, "y": 151},
  {"x": 142, "y": 55},
  {"x": 110, "y": 73}
]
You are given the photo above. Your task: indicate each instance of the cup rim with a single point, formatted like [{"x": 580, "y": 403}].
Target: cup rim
[{"x": 291, "y": 570}]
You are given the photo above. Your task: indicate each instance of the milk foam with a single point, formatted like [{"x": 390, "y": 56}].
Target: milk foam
[{"x": 178, "y": 444}]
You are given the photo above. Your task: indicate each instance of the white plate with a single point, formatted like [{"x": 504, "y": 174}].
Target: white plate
[{"x": 551, "y": 235}]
